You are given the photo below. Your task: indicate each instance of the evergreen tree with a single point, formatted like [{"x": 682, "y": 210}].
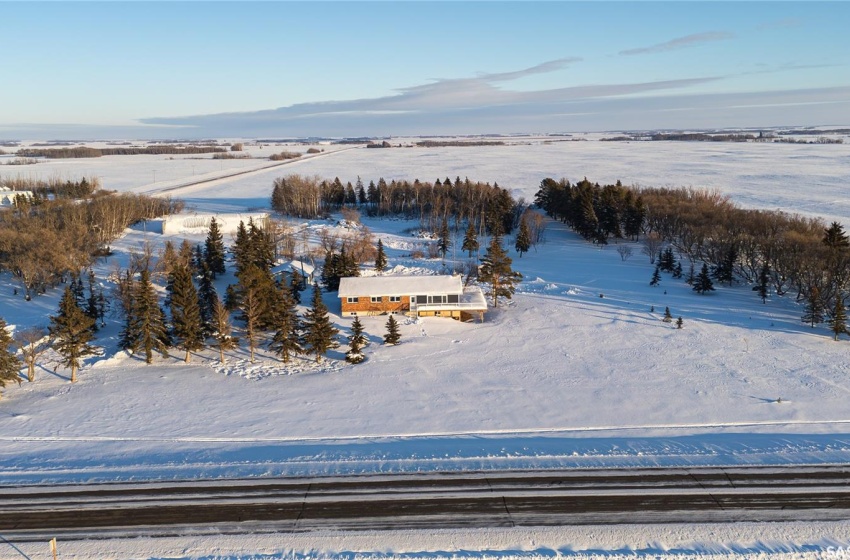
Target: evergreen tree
[
  {"x": 667, "y": 260},
  {"x": 702, "y": 283},
  {"x": 470, "y": 239},
  {"x": 296, "y": 286},
  {"x": 356, "y": 342},
  {"x": 253, "y": 302},
  {"x": 444, "y": 238},
  {"x": 240, "y": 247},
  {"x": 148, "y": 328},
  {"x": 186, "y": 312},
  {"x": 764, "y": 279},
  {"x": 10, "y": 365},
  {"x": 214, "y": 249},
  {"x": 380, "y": 258},
  {"x": 71, "y": 331},
  {"x": 814, "y": 308},
  {"x": 393, "y": 335},
  {"x": 96, "y": 302},
  {"x": 679, "y": 323},
  {"x": 260, "y": 247},
  {"x": 496, "y": 271},
  {"x": 523, "y": 238},
  {"x": 838, "y": 321},
  {"x": 677, "y": 270},
  {"x": 656, "y": 276},
  {"x": 319, "y": 333},
  {"x": 668, "y": 317},
  {"x": 78, "y": 290},
  {"x": 207, "y": 296},
  {"x": 725, "y": 271},
  {"x": 198, "y": 261},
  {"x": 222, "y": 329},
  {"x": 691, "y": 278},
  {"x": 286, "y": 339},
  {"x": 835, "y": 238}
]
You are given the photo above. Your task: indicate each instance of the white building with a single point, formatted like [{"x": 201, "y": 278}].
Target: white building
[{"x": 7, "y": 196}]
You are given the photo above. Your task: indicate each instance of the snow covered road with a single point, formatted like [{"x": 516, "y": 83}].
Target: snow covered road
[{"x": 426, "y": 501}]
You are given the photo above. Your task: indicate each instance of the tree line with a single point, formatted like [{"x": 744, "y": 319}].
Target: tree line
[
  {"x": 779, "y": 252},
  {"x": 86, "y": 152},
  {"x": 489, "y": 207}
]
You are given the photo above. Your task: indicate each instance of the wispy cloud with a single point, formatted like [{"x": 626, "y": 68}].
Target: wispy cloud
[
  {"x": 681, "y": 42},
  {"x": 467, "y": 96}
]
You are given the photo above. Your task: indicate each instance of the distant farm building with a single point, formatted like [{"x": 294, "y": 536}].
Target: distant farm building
[
  {"x": 422, "y": 296},
  {"x": 8, "y": 196}
]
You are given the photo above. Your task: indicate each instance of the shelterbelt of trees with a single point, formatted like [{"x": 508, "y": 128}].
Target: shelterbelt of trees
[
  {"x": 45, "y": 239},
  {"x": 86, "y": 152},
  {"x": 797, "y": 254},
  {"x": 484, "y": 205}
]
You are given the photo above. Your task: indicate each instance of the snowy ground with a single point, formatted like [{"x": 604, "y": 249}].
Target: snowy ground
[{"x": 560, "y": 377}]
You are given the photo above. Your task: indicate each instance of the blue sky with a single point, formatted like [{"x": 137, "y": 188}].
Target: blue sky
[{"x": 199, "y": 69}]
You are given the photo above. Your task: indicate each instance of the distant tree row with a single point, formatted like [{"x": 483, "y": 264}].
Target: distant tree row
[{"x": 86, "y": 152}]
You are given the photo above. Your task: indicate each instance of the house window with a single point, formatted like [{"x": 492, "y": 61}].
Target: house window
[
  {"x": 352, "y": 300},
  {"x": 376, "y": 299},
  {"x": 395, "y": 299},
  {"x": 436, "y": 299}
]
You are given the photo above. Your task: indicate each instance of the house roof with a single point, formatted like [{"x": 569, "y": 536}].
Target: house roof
[{"x": 399, "y": 285}]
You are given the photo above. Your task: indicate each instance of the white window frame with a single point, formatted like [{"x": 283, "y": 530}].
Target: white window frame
[
  {"x": 352, "y": 300},
  {"x": 376, "y": 299},
  {"x": 395, "y": 299}
]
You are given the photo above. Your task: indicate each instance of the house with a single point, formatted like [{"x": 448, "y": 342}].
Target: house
[{"x": 422, "y": 296}]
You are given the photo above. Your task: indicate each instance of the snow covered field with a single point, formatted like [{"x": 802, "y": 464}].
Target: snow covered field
[{"x": 561, "y": 377}]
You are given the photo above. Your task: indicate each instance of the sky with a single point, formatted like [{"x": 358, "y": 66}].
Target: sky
[{"x": 283, "y": 69}]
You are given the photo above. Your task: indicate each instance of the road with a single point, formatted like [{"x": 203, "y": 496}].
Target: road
[{"x": 426, "y": 501}]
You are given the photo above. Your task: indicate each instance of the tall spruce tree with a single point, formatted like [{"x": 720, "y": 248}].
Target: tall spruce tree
[
  {"x": 186, "y": 324},
  {"x": 148, "y": 327},
  {"x": 444, "y": 240},
  {"x": 703, "y": 283},
  {"x": 214, "y": 249},
  {"x": 813, "y": 313},
  {"x": 470, "y": 239},
  {"x": 838, "y": 321},
  {"x": 207, "y": 296},
  {"x": 380, "y": 258},
  {"x": 253, "y": 302},
  {"x": 222, "y": 329},
  {"x": 10, "y": 365},
  {"x": 286, "y": 341},
  {"x": 668, "y": 317},
  {"x": 319, "y": 333},
  {"x": 296, "y": 285},
  {"x": 71, "y": 331},
  {"x": 496, "y": 272},
  {"x": 393, "y": 335},
  {"x": 835, "y": 238},
  {"x": 356, "y": 342},
  {"x": 523, "y": 238}
]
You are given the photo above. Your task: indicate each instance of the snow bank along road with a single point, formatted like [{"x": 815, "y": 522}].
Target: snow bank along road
[{"x": 426, "y": 501}]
